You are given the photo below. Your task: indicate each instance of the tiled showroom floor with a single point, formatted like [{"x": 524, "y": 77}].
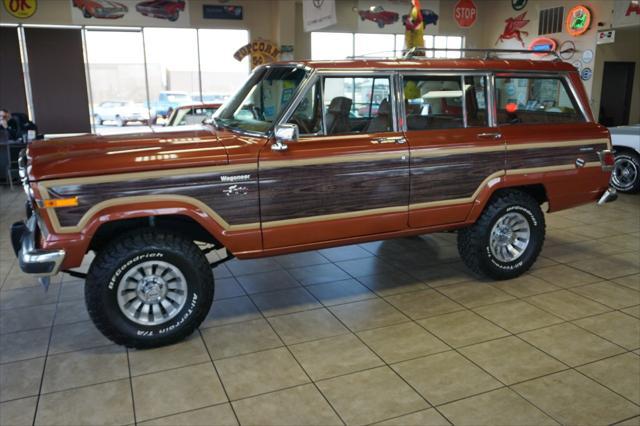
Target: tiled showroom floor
[{"x": 394, "y": 332}]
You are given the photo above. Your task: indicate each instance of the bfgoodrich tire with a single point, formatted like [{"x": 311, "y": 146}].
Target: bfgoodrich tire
[
  {"x": 507, "y": 238},
  {"x": 626, "y": 172},
  {"x": 149, "y": 288}
]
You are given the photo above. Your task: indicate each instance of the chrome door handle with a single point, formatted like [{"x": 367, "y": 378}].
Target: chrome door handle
[
  {"x": 490, "y": 135},
  {"x": 390, "y": 139}
]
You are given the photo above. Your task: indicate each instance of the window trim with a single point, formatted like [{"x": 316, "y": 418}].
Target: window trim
[{"x": 565, "y": 81}]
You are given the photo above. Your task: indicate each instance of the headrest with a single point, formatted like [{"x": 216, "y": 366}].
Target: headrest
[
  {"x": 384, "y": 108},
  {"x": 340, "y": 105}
]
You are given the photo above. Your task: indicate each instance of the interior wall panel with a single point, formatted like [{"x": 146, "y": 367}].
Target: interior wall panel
[
  {"x": 12, "y": 92},
  {"x": 58, "y": 80}
]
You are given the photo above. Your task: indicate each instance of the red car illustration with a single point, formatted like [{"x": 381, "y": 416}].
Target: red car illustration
[
  {"x": 163, "y": 9},
  {"x": 101, "y": 9},
  {"x": 378, "y": 15}
]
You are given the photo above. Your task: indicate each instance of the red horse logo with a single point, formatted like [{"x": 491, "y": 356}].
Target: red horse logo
[{"x": 513, "y": 29}]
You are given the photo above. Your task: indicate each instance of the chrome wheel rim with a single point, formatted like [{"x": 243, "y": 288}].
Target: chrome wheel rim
[
  {"x": 624, "y": 174},
  {"x": 509, "y": 237},
  {"x": 152, "y": 293}
]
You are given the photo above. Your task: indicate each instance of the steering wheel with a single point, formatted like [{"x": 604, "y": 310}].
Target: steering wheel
[{"x": 298, "y": 121}]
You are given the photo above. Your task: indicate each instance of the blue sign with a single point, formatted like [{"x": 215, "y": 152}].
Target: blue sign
[
  {"x": 586, "y": 73},
  {"x": 210, "y": 11}
]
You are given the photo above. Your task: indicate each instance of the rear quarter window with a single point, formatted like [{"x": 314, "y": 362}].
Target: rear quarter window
[{"x": 535, "y": 100}]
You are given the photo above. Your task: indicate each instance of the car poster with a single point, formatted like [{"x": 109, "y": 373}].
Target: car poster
[
  {"x": 131, "y": 12},
  {"x": 385, "y": 16}
]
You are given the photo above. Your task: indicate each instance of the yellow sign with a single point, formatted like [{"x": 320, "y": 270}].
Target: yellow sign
[
  {"x": 261, "y": 51},
  {"x": 21, "y": 8}
]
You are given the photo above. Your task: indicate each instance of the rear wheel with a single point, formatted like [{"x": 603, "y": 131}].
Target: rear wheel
[
  {"x": 148, "y": 289},
  {"x": 507, "y": 238},
  {"x": 625, "y": 176},
  {"x": 86, "y": 13}
]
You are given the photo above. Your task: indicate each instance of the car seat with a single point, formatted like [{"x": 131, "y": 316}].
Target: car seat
[
  {"x": 338, "y": 116},
  {"x": 382, "y": 121}
]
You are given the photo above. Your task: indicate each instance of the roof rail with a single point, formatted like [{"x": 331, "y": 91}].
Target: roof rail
[{"x": 487, "y": 53}]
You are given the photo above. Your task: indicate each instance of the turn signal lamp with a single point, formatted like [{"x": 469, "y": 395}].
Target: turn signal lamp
[
  {"x": 607, "y": 159},
  {"x": 59, "y": 202}
]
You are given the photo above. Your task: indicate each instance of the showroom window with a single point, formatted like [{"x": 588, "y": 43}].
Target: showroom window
[
  {"x": 138, "y": 77},
  {"x": 327, "y": 46},
  {"x": 116, "y": 67},
  {"x": 533, "y": 100}
]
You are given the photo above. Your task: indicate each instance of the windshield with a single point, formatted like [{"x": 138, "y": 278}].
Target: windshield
[{"x": 261, "y": 100}]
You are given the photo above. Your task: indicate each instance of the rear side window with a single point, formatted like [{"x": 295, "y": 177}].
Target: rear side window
[
  {"x": 433, "y": 102},
  {"x": 535, "y": 100}
]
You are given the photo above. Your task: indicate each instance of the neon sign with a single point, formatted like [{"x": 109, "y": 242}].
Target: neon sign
[
  {"x": 543, "y": 45},
  {"x": 578, "y": 20}
]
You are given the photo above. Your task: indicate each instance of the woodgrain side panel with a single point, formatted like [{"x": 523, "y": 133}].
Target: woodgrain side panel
[
  {"x": 314, "y": 190},
  {"x": 452, "y": 176},
  {"x": 207, "y": 188}
]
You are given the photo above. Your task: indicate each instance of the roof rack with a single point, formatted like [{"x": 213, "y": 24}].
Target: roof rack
[{"x": 488, "y": 53}]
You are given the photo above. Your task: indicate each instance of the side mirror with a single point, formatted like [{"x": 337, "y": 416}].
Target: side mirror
[{"x": 284, "y": 133}]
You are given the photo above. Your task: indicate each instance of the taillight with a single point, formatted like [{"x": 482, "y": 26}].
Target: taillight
[{"x": 607, "y": 160}]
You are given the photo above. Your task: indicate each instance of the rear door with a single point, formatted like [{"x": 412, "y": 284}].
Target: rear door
[
  {"x": 455, "y": 149},
  {"x": 348, "y": 173}
]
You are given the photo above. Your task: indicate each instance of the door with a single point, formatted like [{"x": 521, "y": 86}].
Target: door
[
  {"x": 615, "y": 98},
  {"x": 454, "y": 151},
  {"x": 348, "y": 173}
]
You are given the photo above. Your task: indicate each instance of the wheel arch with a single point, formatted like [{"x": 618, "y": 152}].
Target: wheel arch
[
  {"x": 537, "y": 191},
  {"x": 179, "y": 223}
]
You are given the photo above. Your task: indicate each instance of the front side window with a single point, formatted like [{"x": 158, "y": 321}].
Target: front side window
[
  {"x": 256, "y": 106},
  {"x": 357, "y": 104},
  {"x": 308, "y": 113},
  {"x": 433, "y": 102},
  {"x": 535, "y": 100},
  {"x": 188, "y": 116}
]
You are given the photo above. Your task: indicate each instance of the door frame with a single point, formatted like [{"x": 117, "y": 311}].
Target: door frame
[{"x": 629, "y": 89}]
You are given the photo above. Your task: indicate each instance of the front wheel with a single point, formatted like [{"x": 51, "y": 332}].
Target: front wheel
[
  {"x": 507, "y": 238},
  {"x": 625, "y": 176},
  {"x": 149, "y": 289}
]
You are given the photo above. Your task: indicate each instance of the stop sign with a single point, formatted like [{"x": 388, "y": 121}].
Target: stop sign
[{"x": 465, "y": 13}]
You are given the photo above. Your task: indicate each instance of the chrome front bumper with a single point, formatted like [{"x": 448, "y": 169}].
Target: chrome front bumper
[
  {"x": 38, "y": 262},
  {"x": 608, "y": 196}
]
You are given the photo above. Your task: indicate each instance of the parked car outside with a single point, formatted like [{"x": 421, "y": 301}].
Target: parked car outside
[
  {"x": 101, "y": 9},
  {"x": 298, "y": 173},
  {"x": 170, "y": 100},
  {"x": 122, "y": 113},
  {"x": 626, "y": 171},
  {"x": 163, "y": 9}
]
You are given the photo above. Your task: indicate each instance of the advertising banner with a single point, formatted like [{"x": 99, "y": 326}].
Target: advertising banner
[
  {"x": 155, "y": 13},
  {"x": 318, "y": 14}
]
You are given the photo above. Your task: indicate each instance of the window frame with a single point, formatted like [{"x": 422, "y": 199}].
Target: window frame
[
  {"x": 490, "y": 95},
  {"x": 564, "y": 79},
  {"x": 324, "y": 73}
]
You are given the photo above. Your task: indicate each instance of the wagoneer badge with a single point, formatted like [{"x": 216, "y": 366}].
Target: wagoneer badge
[{"x": 236, "y": 178}]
